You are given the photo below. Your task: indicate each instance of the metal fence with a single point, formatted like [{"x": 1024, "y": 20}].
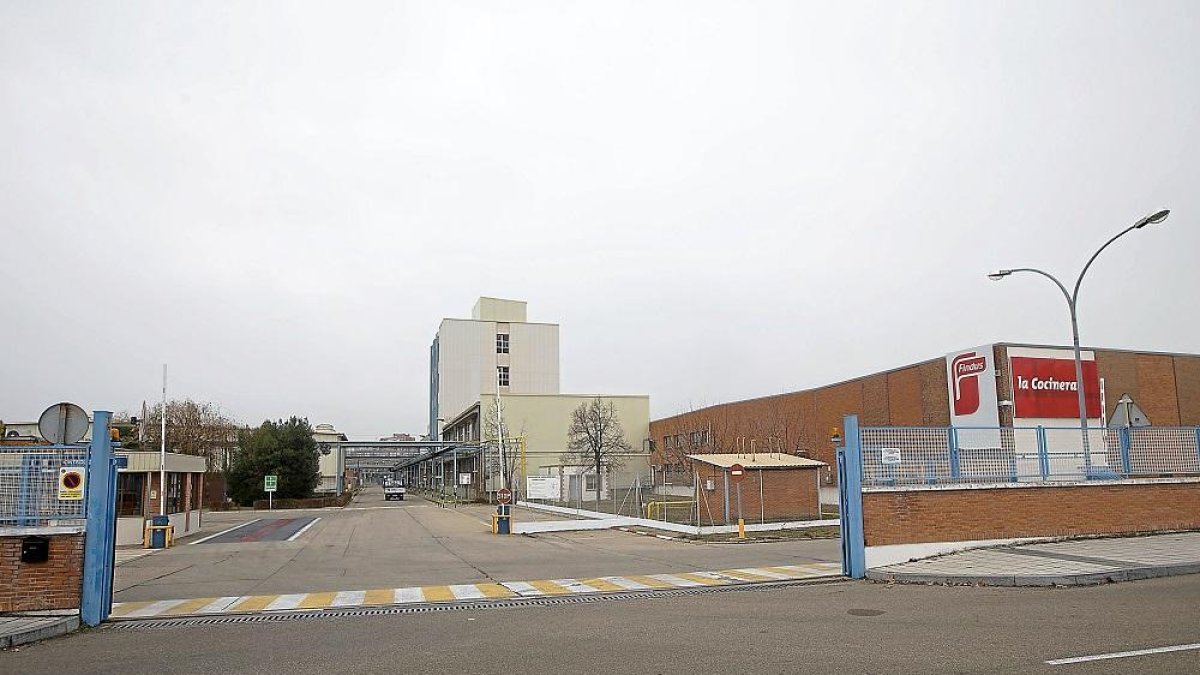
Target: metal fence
[
  {"x": 896, "y": 456},
  {"x": 29, "y": 486}
]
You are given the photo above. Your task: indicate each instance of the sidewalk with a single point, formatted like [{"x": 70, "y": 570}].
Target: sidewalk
[
  {"x": 1078, "y": 562},
  {"x": 22, "y": 629}
]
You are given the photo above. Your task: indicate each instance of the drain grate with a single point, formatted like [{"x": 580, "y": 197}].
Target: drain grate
[{"x": 512, "y": 603}]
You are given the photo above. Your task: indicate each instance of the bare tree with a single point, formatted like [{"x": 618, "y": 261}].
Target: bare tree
[
  {"x": 596, "y": 439},
  {"x": 493, "y": 423},
  {"x": 193, "y": 428}
]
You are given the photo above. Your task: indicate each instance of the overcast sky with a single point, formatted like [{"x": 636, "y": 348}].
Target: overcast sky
[{"x": 715, "y": 200}]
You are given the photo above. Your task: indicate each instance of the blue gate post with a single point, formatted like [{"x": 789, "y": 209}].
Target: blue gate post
[
  {"x": 1198, "y": 444},
  {"x": 854, "y": 549},
  {"x": 1043, "y": 453},
  {"x": 1126, "y": 443},
  {"x": 955, "y": 458},
  {"x": 99, "y": 540}
]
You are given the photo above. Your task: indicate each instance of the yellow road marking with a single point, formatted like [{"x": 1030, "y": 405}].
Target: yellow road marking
[
  {"x": 438, "y": 593},
  {"x": 649, "y": 581},
  {"x": 549, "y": 587},
  {"x": 381, "y": 596},
  {"x": 602, "y": 585},
  {"x": 129, "y": 607},
  {"x": 253, "y": 603},
  {"x": 494, "y": 591},
  {"x": 707, "y": 581},
  {"x": 317, "y": 600},
  {"x": 790, "y": 571},
  {"x": 748, "y": 576}
]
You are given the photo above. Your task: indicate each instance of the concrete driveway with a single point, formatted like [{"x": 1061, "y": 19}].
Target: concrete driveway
[{"x": 377, "y": 544}]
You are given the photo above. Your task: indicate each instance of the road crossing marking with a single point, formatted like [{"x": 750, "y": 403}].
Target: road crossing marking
[{"x": 461, "y": 592}]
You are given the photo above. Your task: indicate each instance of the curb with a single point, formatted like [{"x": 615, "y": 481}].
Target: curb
[
  {"x": 66, "y": 624},
  {"x": 1090, "y": 579}
]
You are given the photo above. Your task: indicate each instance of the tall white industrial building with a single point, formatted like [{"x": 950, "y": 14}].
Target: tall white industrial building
[
  {"x": 499, "y": 354},
  {"x": 495, "y": 351}
]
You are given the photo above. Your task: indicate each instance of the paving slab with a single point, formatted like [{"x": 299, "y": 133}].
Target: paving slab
[
  {"x": 1075, "y": 562},
  {"x": 17, "y": 630}
]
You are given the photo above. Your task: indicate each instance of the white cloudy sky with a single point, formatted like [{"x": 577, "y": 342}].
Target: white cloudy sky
[{"x": 716, "y": 200}]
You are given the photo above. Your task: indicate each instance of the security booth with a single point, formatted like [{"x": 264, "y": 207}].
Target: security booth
[
  {"x": 139, "y": 493},
  {"x": 769, "y": 486}
]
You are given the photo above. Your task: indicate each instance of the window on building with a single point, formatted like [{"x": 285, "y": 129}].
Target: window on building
[
  {"x": 502, "y": 376},
  {"x": 130, "y": 487},
  {"x": 174, "y": 493},
  {"x": 589, "y": 482},
  {"x": 501, "y": 343}
]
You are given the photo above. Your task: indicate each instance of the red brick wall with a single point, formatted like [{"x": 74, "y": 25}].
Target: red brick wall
[
  {"x": 1166, "y": 386},
  {"x": 924, "y": 516},
  {"x": 802, "y": 421},
  {"x": 54, "y": 584},
  {"x": 787, "y": 494}
]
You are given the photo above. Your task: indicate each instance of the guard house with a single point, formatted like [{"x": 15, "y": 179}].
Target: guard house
[
  {"x": 139, "y": 492},
  {"x": 774, "y": 487}
]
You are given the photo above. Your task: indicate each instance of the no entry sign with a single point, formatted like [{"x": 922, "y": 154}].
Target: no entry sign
[{"x": 737, "y": 472}]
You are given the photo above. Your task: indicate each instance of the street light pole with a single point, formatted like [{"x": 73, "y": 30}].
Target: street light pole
[{"x": 1072, "y": 304}]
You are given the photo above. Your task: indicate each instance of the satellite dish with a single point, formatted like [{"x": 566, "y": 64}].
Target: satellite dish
[{"x": 63, "y": 423}]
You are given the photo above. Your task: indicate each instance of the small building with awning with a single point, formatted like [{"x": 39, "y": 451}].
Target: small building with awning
[
  {"x": 774, "y": 487},
  {"x": 139, "y": 492}
]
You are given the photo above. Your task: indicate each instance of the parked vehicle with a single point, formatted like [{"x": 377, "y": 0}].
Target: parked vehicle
[{"x": 393, "y": 491}]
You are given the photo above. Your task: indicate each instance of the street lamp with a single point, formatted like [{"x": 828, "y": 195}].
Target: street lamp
[{"x": 1072, "y": 302}]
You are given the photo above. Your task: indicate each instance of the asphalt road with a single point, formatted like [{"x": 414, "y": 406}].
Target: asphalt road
[
  {"x": 378, "y": 544},
  {"x": 848, "y": 627}
]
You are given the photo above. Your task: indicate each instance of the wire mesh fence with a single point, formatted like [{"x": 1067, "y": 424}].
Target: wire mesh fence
[
  {"x": 895, "y": 456},
  {"x": 29, "y": 486}
]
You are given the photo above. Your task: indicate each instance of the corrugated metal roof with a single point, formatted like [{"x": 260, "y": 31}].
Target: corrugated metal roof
[{"x": 761, "y": 460}]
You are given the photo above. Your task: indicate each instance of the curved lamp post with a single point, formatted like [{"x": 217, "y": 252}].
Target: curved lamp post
[{"x": 1072, "y": 303}]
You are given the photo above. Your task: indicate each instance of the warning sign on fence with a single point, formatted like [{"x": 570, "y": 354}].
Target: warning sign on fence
[{"x": 70, "y": 483}]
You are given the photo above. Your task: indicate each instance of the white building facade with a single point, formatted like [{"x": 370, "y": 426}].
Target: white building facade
[{"x": 497, "y": 355}]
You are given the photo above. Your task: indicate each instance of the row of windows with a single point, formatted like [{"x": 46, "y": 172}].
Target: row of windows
[{"x": 697, "y": 439}]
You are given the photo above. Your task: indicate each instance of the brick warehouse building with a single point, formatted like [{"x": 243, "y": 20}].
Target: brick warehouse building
[{"x": 1003, "y": 384}]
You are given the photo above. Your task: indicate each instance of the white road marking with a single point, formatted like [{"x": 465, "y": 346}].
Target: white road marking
[
  {"x": 408, "y": 595},
  {"x": 289, "y": 601},
  {"x": 214, "y": 536},
  {"x": 466, "y": 592},
  {"x": 521, "y": 588},
  {"x": 304, "y": 529},
  {"x": 1121, "y": 655},
  {"x": 575, "y": 586},
  {"x": 220, "y": 604},
  {"x": 348, "y": 599},
  {"x": 674, "y": 580},
  {"x": 629, "y": 584},
  {"x": 156, "y": 608}
]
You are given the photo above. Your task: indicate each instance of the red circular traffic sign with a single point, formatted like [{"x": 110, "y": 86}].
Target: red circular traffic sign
[
  {"x": 737, "y": 472},
  {"x": 504, "y": 495},
  {"x": 72, "y": 480}
]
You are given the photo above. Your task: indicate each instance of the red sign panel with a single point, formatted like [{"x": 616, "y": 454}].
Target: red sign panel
[
  {"x": 1046, "y": 388},
  {"x": 737, "y": 472},
  {"x": 504, "y": 495},
  {"x": 965, "y": 370}
]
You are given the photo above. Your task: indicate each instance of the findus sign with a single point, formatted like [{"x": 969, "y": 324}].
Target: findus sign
[{"x": 971, "y": 384}]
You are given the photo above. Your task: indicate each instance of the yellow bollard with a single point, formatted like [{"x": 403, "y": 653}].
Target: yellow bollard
[{"x": 741, "y": 528}]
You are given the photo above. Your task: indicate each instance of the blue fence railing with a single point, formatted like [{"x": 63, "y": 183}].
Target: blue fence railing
[
  {"x": 896, "y": 456},
  {"x": 30, "y": 486}
]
